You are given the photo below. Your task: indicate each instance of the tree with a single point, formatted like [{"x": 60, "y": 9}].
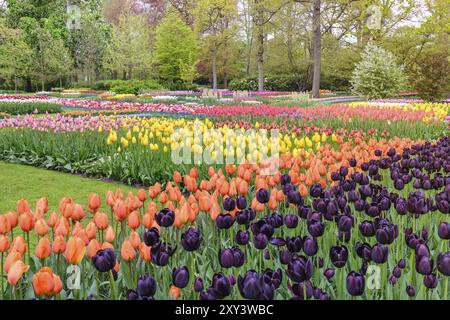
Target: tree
[
  {"x": 262, "y": 12},
  {"x": 377, "y": 75},
  {"x": 51, "y": 58},
  {"x": 15, "y": 55},
  {"x": 129, "y": 52},
  {"x": 213, "y": 22},
  {"x": 430, "y": 76},
  {"x": 175, "y": 49},
  {"x": 88, "y": 44},
  {"x": 317, "y": 49}
]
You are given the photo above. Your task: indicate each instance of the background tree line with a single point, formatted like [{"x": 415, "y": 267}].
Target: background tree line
[{"x": 243, "y": 44}]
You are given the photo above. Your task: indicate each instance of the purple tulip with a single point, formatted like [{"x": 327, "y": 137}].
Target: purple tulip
[
  {"x": 180, "y": 277},
  {"x": 262, "y": 195},
  {"x": 229, "y": 204},
  {"x": 339, "y": 256},
  {"x": 146, "y": 287},
  {"x": 380, "y": 253},
  {"x": 104, "y": 260},
  {"x": 300, "y": 269},
  {"x": 424, "y": 265},
  {"x": 151, "y": 237},
  {"x": 355, "y": 283},
  {"x": 443, "y": 263},
  {"x": 191, "y": 239},
  {"x": 165, "y": 218},
  {"x": 242, "y": 237}
]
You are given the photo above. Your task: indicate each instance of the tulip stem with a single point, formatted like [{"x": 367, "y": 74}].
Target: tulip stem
[
  {"x": 28, "y": 246},
  {"x": 446, "y": 288},
  {"x": 113, "y": 287}
]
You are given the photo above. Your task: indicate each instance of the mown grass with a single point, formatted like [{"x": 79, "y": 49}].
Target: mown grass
[{"x": 21, "y": 181}]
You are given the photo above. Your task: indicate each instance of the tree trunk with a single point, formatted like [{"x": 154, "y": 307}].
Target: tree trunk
[
  {"x": 28, "y": 85},
  {"x": 214, "y": 68},
  {"x": 260, "y": 58},
  {"x": 317, "y": 49}
]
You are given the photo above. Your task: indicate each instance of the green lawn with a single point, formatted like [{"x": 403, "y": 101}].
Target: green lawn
[{"x": 19, "y": 181}]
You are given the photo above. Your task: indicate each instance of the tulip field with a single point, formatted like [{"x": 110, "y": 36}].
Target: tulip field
[{"x": 353, "y": 202}]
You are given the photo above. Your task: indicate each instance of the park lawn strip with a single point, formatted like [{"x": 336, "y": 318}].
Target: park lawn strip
[{"x": 21, "y": 181}]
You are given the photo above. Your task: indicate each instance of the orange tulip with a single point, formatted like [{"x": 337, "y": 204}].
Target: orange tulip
[
  {"x": 127, "y": 251},
  {"x": 63, "y": 203},
  {"x": 109, "y": 235},
  {"x": 134, "y": 239},
  {"x": 58, "y": 284},
  {"x": 162, "y": 198},
  {"x": 42, "y": 204},
  {"x": 41, "y": 228},
  {"x": 120, "y": 210},
  {"x": 59, "y": 245},
  {"x": 230, "y": 168},
  {"x": 134, "y": 220},
  {"x": 4, "y": 243},
  {"x": 101, "y": 220},
  {"x": 16, "y": 271},
  {"x": 5, "y": 225},
  {"x": 205, "y": 202},
  {"x": 22, "y": 206},
  {"x": 75, "y": 250},
  {"x": 52, "y": 219},
  {"x": 214, "y": 211},
  {"x": 110, "y": 198},
  {"x": 174, "y": 292},
  {"x": 144, "y": 252},
  {"x": 43, "y": 248},
  {"x": 147, "y": 220},
  {"x": 19, "y": 245},
  {"x": 83, "y": 236},
  {"x": 62, "y": 227},
  {"x": 91, "y": 230},
  {"x": 93, "y": 247},
  {"x": 11, "y": 258},
  {"x": 106, "y": 245},
  {"x": 77, "y": 212},
  {"x": 94, "y": 202},
  {"x": 46, "y": 283},
  {"x": 13, "y": 218},
  {"x": 26, "y": 221},
  {"x": 77, "y": 227},
  {"x": 176, "y": 177},
  {"x": 142, "y": 196}
]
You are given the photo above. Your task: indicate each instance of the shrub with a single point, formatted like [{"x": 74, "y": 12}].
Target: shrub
[
  {"x": 274, "y": 83},
  {"x": 16, "y": 108},
  {"x": 377, "y": 75},
  {"x": 430, "y": 76}
]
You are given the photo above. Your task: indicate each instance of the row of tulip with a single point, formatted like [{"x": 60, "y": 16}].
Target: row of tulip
[
  {"x": 435, "y": 111},
  {"x": 377, "y": 229},
  {"x": 136, "y": 150},
  {"x": 430, "y": 113}
]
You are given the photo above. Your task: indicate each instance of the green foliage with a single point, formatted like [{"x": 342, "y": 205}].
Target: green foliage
[
  {"x": 377, "y": 75},
  {"x": 16, "y": 108},
  {"x": 129, "y": 51},
  {"x": 175, "y": 49},
  {"x": 15, "y": 54},
  {"x": 275, "y": 83},
  {"x": 430, "y": 76},
  {"x": 127, "y": 86}
]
